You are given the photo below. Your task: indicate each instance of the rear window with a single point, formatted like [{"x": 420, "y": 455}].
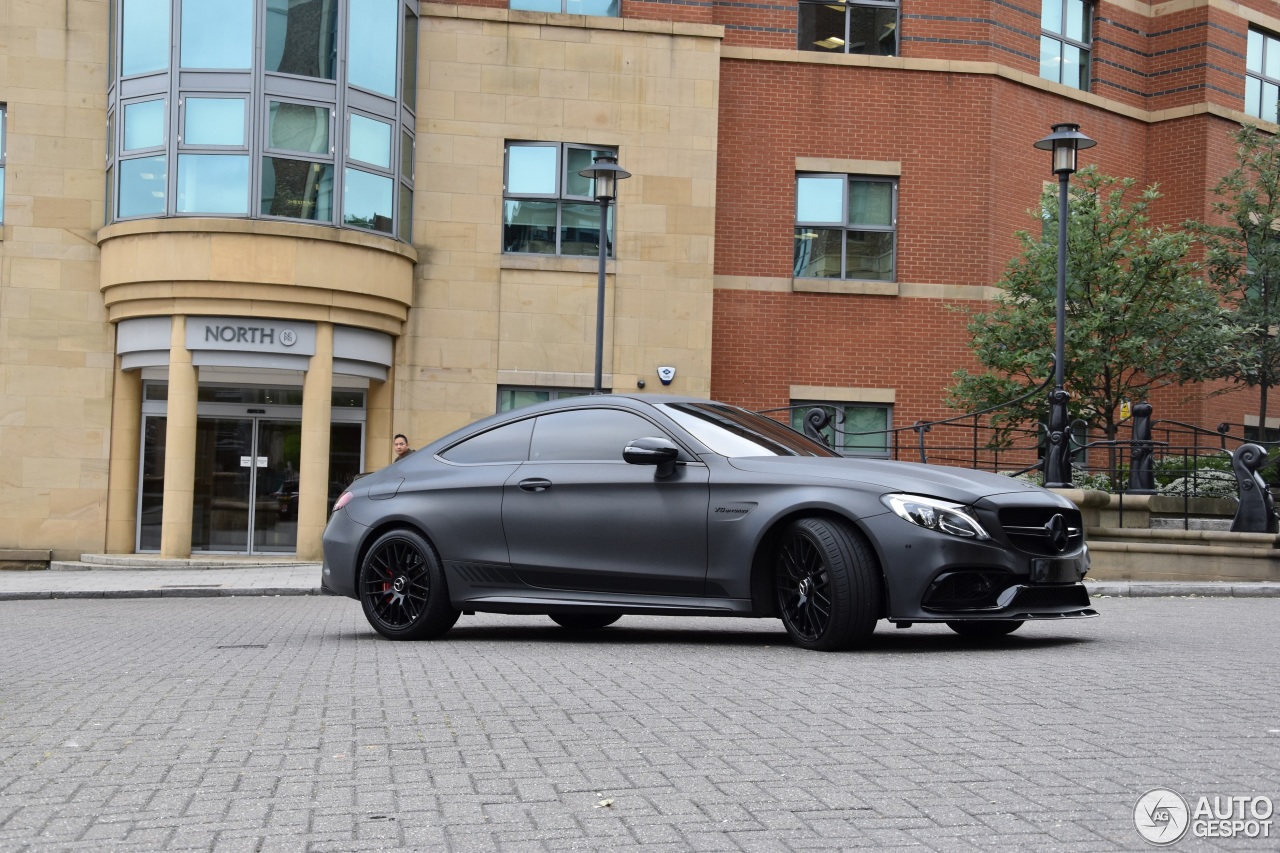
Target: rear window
[
  {"x": 507, "y": 443},
  {"x": 730, "y": 431}
]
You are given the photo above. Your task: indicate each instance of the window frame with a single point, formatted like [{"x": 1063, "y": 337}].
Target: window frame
[
  {"x": 1259, "y": 77},
  {"x": 840, "y": 415},
  {"x": 557, "y": 392},
  {"x": 1060, "y": 36},
  {"x": 561, "y": 195},
  {"x": 850, "y": 6},
  {"x": 174, "y": 83},
  {"x": 845, "y": 226},
  {"x": 615, "y": 5},
  {"x": 4, "y": 150}
]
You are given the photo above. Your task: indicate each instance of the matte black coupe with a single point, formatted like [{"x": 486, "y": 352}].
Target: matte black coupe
[{"x": 589, "y": 508}]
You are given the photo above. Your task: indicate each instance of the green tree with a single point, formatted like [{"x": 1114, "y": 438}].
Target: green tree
[
  {"x": 1242, "y": 258},
  {"x": 1138, "y": 317}
]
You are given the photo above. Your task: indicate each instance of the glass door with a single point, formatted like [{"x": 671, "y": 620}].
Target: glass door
[
  {"x": 275, "y": 489},
  {"x": 225, "y": 465}
]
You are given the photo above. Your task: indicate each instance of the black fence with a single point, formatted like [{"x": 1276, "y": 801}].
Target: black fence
[{"x": 1165, "y": 457}]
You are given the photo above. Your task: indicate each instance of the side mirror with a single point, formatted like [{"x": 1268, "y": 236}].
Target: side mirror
[{"x": 661, "y": 452}]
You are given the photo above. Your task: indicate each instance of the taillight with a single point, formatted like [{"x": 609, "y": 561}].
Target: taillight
[{"x": 343, "y": 501}]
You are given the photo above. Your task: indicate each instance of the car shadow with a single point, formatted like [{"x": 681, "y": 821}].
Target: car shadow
[{"x": 886, "y": 640}]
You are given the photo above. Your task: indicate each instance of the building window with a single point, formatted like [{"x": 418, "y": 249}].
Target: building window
[
  {"x": 4, "y": 145},
  {"x": 607, "y": 8},
  {"x": 855, "y": 429},
  {"x": 846, "y": 227},
  {"x": 1066, "y": 31},
  {"x": 548, "y": 208},
  {"x": 857, "y": 26},
  {"x": 1262, "y": 75},
  {"x": 228, "y": 129},
  {"x": 514, "y": 398}
]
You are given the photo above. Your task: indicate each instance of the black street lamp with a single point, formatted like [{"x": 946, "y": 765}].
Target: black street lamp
[
  {"x": 606, "y": 173},
  {"x": 1064, "y": 142}
]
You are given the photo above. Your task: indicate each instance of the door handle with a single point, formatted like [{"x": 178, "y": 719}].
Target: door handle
[{"x": 535, "y": 484}]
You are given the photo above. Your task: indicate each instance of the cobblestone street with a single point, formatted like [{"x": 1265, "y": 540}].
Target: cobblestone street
[{"x": 286, "y": 724}]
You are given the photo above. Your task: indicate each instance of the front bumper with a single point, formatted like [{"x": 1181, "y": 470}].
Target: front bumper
[{"x": 935, "y": 577}]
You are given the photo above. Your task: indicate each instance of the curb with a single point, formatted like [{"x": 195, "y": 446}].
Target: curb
[
  {"x": 227, "y": 592},
  {"x": 1183, "y": 589}
]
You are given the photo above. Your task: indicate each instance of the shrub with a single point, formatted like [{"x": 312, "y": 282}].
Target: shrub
[{"x": 1205, "y": 484}]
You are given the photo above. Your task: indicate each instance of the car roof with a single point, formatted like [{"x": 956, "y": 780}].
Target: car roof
[{"x": 626, "y": 401}]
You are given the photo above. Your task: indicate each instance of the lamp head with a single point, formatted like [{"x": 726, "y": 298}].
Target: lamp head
[
  {"x": 606, "y": 173},
  {"x": 1064, "y": 142}
]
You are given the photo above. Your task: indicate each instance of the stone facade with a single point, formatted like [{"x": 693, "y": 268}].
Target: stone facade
[{"x": 711, "y": 108}]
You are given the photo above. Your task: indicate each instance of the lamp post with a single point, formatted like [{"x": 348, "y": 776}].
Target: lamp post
[
  {"x": 1064, "y": 142},
  {"x": 606, "y": 173}
]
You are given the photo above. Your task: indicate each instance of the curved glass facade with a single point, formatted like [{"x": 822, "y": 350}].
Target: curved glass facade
[{"x": 266, "y": 109}]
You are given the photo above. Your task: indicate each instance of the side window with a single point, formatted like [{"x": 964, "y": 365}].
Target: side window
[
  {"x": 548, "y": 208},
  {"x": 507, "y": 443},
  {"x": 855, "y": 26},
  {"x": 855, "y": 430},
  {"x": 3, "y": 110},
  {"x": 846, "y": 227},
  {"x": 570, "y": 7},
  {"x": 587, "y": 435},
  {"x": 1066, "y": 36},
  {"x": 511, "y": 397},
  {"x": 1262, "y": 75}
]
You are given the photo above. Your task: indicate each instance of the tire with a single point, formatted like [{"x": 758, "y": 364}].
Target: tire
[
  {"x": 986, "y": 628},
  {"x": 828, "y": 585},
  {"x": 403, "y": 589},
  {"x": 585, "y": 621}
]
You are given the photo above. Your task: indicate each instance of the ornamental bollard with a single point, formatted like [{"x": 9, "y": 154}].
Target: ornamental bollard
[
  {"x": 1257, "y": 510},
  {"x": 815, "y": 421},
  {"x": 1142, "y": 477}
]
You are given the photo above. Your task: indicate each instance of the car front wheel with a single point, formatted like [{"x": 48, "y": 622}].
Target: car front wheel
[
  {"x": 986, "y": 628},
  {"x": 403, "y": 589},
  {"x": 828, "y": 585}
]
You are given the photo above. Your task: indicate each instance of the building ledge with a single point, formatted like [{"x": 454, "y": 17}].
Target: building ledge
[{"x": 262, "y": 227}]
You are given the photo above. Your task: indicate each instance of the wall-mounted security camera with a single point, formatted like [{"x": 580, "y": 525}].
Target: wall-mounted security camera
[{"x": 666, "y": 374}]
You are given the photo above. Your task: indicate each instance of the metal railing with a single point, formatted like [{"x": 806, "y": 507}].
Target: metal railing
[{"x": 1167, "y": 456}]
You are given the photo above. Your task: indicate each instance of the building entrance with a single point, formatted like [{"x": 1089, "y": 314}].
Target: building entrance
[
  {"x": 246, "y": 485},
  {"x": 247, "y": 458}
]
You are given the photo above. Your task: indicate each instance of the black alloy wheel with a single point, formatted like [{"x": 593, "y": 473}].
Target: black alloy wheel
[
  {"x": 828, "y": 585},
  {"x": 403, "y": 589},
  {"x": 985, "y": 628},
  {"x": 585, "y": 621}
]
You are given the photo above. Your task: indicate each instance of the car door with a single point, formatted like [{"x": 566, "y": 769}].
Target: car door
[{"x": 578, "y": 517}]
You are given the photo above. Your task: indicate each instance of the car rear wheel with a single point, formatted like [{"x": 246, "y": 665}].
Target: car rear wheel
[
  {"x": 828, "y": 585},
  {"x": 403, "y": 589},
  {"x": 986, "y": 628},
  {"x": 585, "y": 621}
]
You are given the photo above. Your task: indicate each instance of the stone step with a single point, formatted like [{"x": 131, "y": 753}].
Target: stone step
[{"x": 143, "y": 562}]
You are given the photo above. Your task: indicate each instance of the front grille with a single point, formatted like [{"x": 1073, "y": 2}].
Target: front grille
[
  {"x": 1031, "y": 530},
  {"x": 1036, "y": 597},
  {"x": 965, "y": 591}
]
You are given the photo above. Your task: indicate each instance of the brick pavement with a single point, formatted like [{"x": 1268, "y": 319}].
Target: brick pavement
[
  {"x": 285, "y": 724},
  {"x": 152, "y": 578}
]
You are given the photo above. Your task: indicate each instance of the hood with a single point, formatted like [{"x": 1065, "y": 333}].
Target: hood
[{"x": 962, "y": 485}]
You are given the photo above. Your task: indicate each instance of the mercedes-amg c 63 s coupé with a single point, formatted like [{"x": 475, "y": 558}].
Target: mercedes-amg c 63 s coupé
[{"x": 588, "y": 508}]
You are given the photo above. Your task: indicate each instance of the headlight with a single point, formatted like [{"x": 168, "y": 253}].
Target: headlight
[{"x": 933, "y": 514}]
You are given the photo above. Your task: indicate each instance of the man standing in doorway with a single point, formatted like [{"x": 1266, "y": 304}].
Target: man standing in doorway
[{"x": 400, "y": 446}]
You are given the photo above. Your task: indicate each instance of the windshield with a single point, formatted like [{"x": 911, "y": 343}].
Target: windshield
[{"x": 730, "y": 431}]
